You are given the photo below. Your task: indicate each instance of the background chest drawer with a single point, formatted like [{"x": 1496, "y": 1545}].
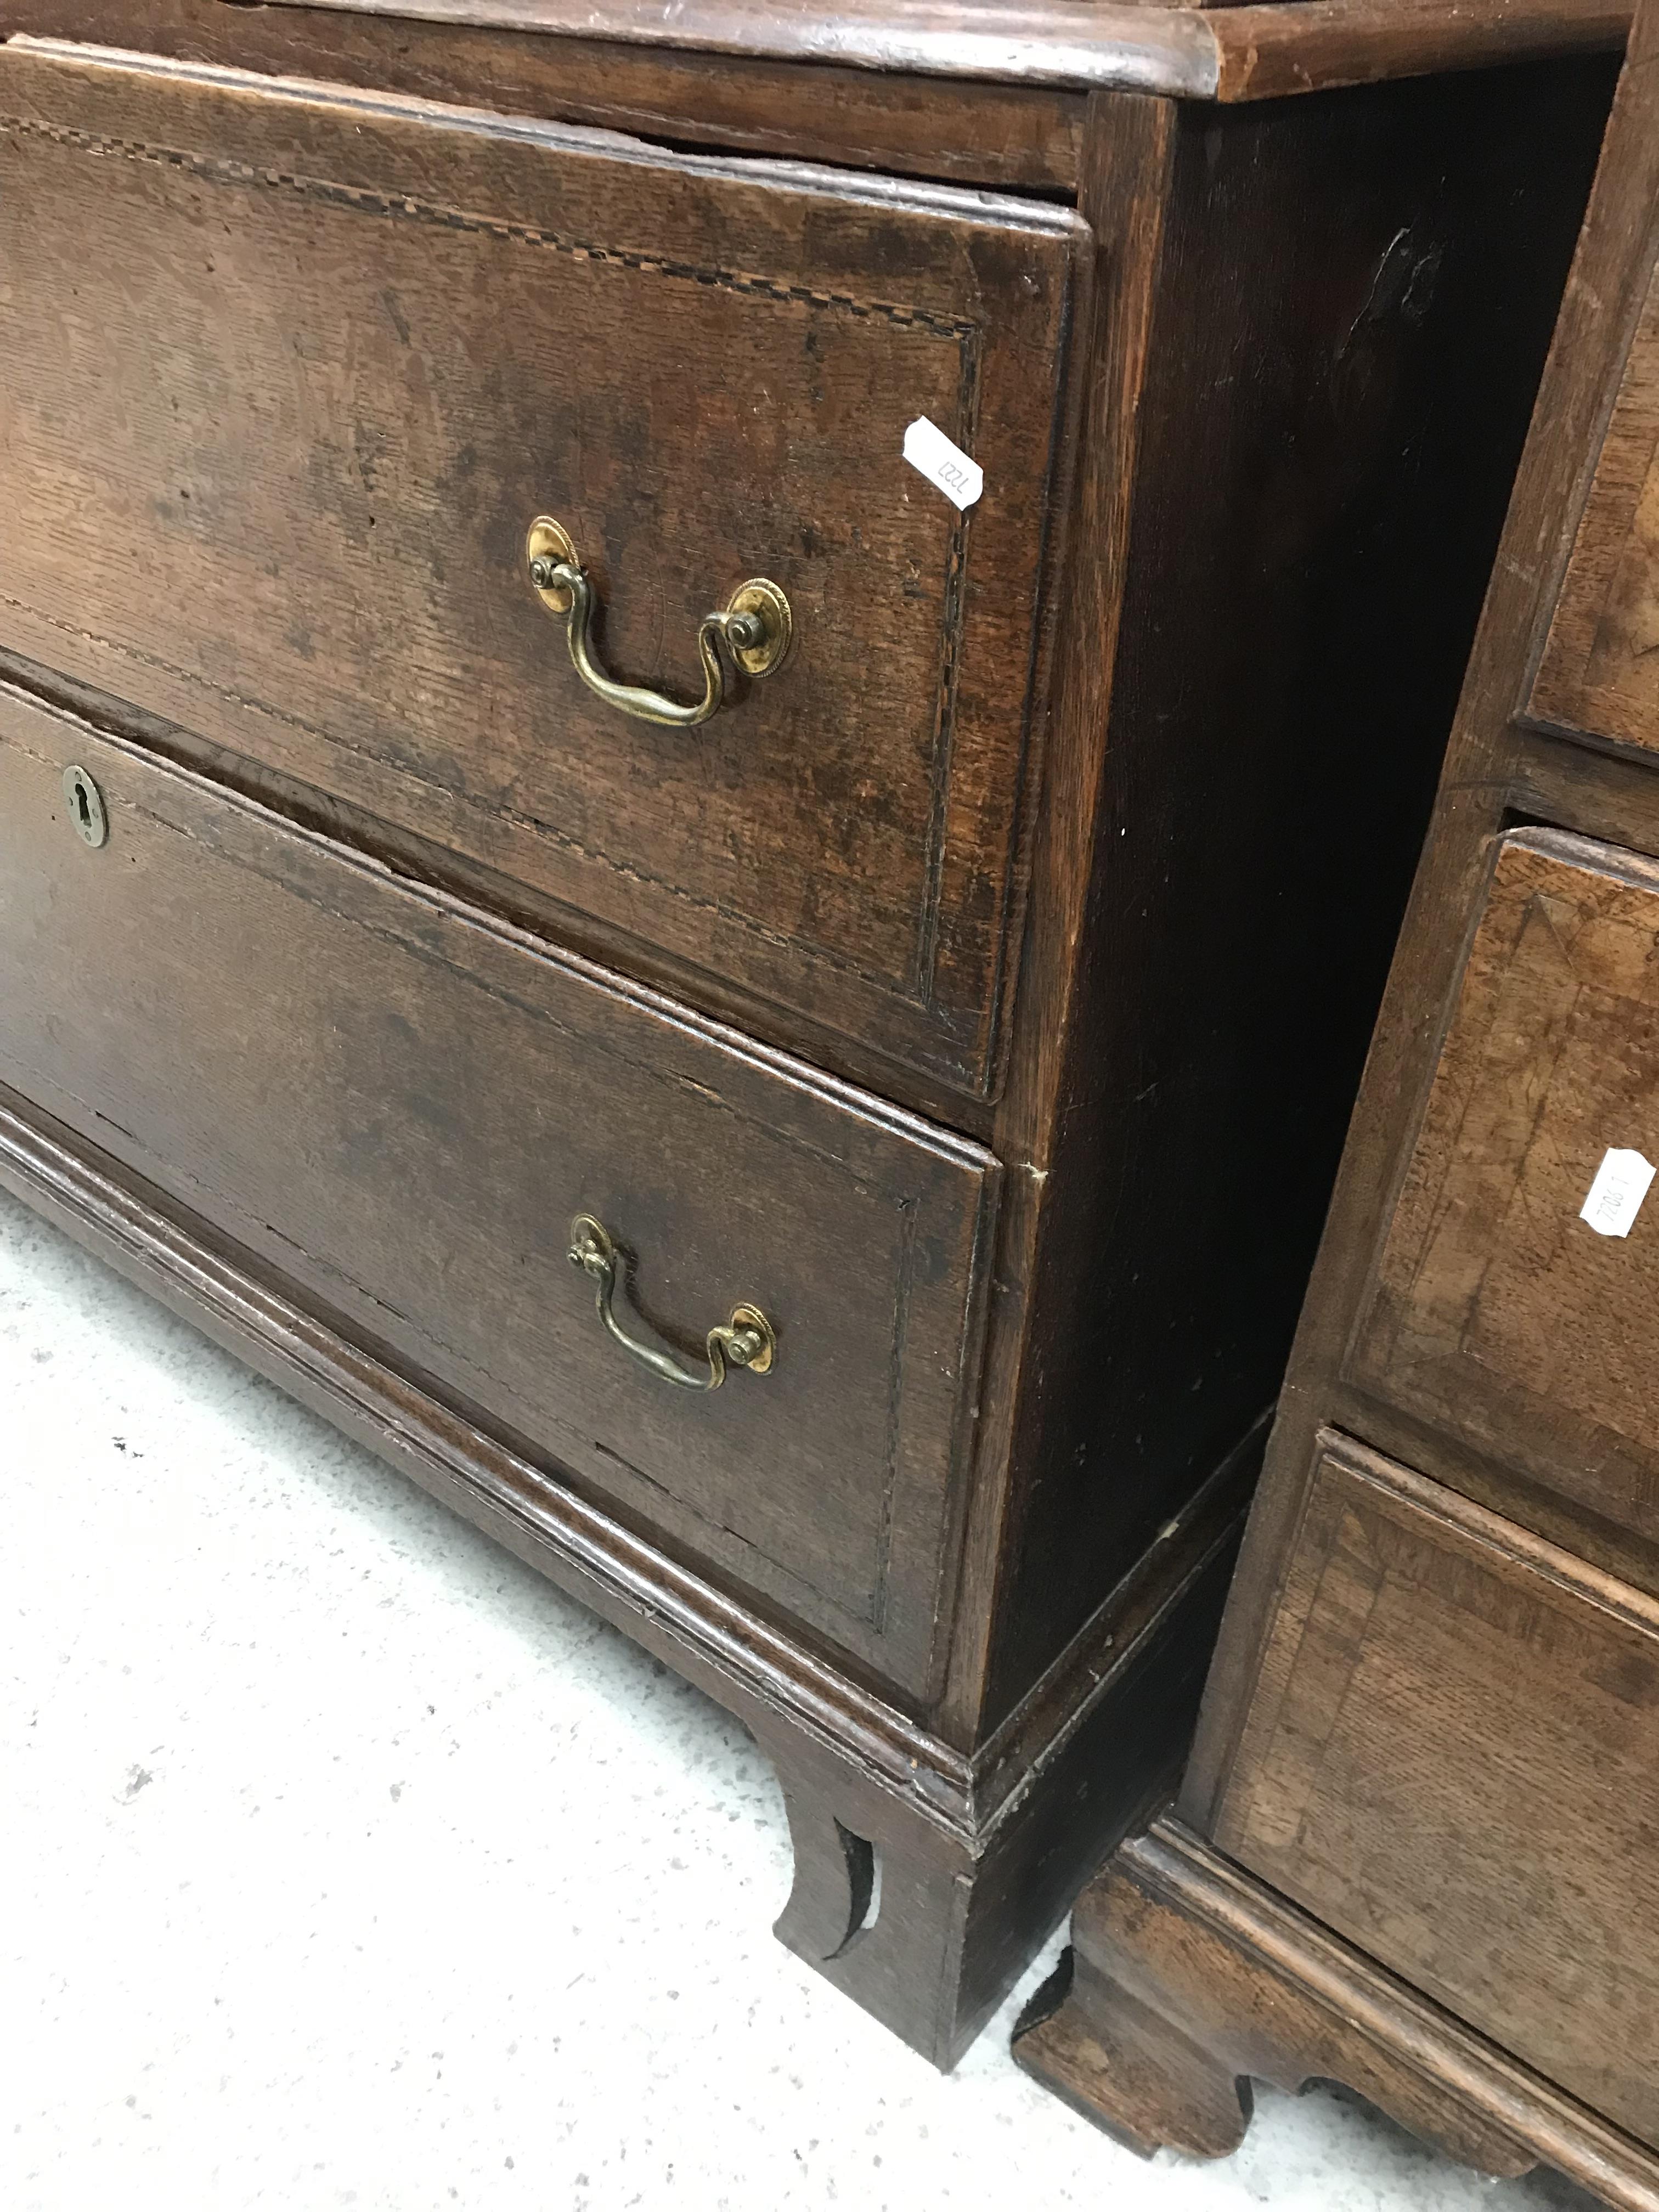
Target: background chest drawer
[
  {"x": 280, "y": 492},
  {"x": 1497, "y": 1310},
  {"x": 1450, "y": 1757},
  {"x": 401, "y": 1107},
  {"x": 1597, "y": 673}
]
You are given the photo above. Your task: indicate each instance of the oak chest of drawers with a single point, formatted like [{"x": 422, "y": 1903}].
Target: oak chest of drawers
[
  {"x": 506, "y": 764},
  {"x": 1415, "y": 1848}
]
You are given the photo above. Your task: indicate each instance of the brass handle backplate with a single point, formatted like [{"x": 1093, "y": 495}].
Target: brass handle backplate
[
  {"x": 747, "y": 1341},
  {"x": 754, "y": 629}
]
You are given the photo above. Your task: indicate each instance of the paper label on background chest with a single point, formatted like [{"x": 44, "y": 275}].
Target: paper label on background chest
[
  {"x": 928, "y": 448},
  {"x": 1615, "y": 1197}
]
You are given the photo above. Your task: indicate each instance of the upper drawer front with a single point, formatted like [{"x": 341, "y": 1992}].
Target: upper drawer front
[
  {"x": 1599, "y": 671},
  {"x": 1497, "y": 1310},
  {"x": 287, "y": 375},
  {"x": 1452, "y": 1758},
  {"x": 401, "y": 1108}
]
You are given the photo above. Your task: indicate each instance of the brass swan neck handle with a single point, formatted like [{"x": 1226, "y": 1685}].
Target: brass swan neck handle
[
  {"x": 747, "y": 1341},
  {"x": 754, "y": 631}
]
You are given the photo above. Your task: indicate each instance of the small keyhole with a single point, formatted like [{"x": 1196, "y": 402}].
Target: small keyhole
[{"x": 86, "y": 803}]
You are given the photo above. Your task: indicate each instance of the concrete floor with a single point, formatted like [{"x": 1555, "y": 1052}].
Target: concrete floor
[{"x": 345, "y": 1863}]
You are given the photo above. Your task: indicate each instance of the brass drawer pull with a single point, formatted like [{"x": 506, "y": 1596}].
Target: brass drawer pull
[
  {"x": 754, "y": 630},
  {"x": 747, "y": 1341}
]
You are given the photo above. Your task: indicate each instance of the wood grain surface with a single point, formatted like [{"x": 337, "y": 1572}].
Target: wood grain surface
[
  {"x": 1190, "y": 1979},
  {"x": 1496, "y": 763},
  {"x": 1452, "y": 1758},
  {"x": 1019, "y": 1820},
  {"x": 375, "y": 341},
  {"x": 1089, "y": 43},
  {"x": 1497, "y": 1309},
  {"x": 1599, "y": 670},
  {"x": 1023, "y": 137},
  {"x": 1033, "y": 837},
  {"x": 1413, "y": 1843},
  {"x": 1350, "y": 303},
  {"x": 401, "y": 1106},
  {"x": 1225, "y": 52}
]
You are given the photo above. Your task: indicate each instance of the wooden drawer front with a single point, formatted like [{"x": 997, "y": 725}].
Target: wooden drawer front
[
  {"x": 1599, "y": 670},
  {"x": 1496, "y": 1310},
  {"x": 400, "y": 1107},
  {"x": 1452, "y": 1757},
  {"x": 286, "y": 375}
]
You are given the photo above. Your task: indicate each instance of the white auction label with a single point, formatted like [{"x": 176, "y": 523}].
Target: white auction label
[
  {"x": 928, "y": 448},
  {"x": 1615, "y": 1197}
]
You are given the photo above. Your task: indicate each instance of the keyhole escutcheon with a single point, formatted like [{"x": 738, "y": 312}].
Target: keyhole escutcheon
[{"x": 86, "y": 807}]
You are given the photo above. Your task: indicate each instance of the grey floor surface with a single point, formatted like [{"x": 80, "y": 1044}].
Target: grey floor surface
[{"x": 344, "y": 1863}]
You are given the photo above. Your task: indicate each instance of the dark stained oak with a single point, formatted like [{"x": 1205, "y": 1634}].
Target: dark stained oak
[
  {"x": 1277, "y": 47},
  {"x": 1019, "y": 137},
  {"x": 981, "y": 995},
  {"x": 1226, "y": 52},
  {"x": 1497, "y": 1310},
  {"x": 1598, "y": 672},
  {"x": 999, "y": 108},
  {"x": 1499, "y": 764},
  {"x": 1210, "y": 1045},
  {"x": 455, "y": 358},
  {"x": 988, "y": 1859},
  {"x": 1189, "y": 1979},
  {"x": 1413, "y": 1847},
  {"x": 1451, "y": 1759},
  {"x": 291, "y": 1042}
]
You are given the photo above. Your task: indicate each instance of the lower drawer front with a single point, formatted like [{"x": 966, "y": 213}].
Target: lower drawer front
[
  {"x": 1452, "y": 1757},
  {"x": 400, "y": 1106}
]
